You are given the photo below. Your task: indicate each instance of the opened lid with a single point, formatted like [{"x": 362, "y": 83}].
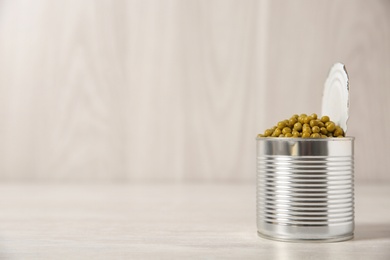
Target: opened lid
[{"x": 335, "y": 99}]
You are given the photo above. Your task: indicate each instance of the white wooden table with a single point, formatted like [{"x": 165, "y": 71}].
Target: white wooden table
[{"x": 167, "y": 221}]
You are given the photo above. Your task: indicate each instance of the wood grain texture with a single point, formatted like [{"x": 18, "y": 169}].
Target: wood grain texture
[
  {"x": 193, "y": 89},
  {"x": 177, "y": 90},
  {"x": 167, "y": 221},
  {"x": 63, "y": 85}
]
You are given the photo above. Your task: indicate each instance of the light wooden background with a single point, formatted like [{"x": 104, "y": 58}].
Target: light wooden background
[{"x": 177, "y": 90}]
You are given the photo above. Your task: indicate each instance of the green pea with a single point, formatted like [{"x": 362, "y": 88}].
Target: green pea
[
  {"x": 268, "y": 132},
  {"x": 315, "y": 129},
  {"x": 325, "y": 119},
  {"x": 313, "y": 123},
  {"x": 307, "y": 119},
  {"x": 320, "y": 124},
  {"x": 295, "y": 134},
  {"x": 314, "y": 116},
  {"x": 306, "y": 129},
  {"x": 286, "y": 130},
  {"x": 315, "y": 135},
  {"x": 331, "y": 127},
  {"x": 281, "y": 135},
  {"x": 288, "y": 135},
  {"x": 298, "y": 126},
  {"x": 281, "y": 125},
  {"x": 292, "y": 121},
  {"x": 305, "y": 135},
  {"x": 323, "y": 130},
  {"x": 338, "y": 131},
  {"x": 277, "y": 132}
]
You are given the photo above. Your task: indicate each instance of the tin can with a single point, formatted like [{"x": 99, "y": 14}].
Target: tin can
[{"x": 305, "y": 189}]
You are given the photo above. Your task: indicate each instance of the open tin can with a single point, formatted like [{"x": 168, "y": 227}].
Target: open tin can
[
  {"x": 305, "y": 189},
  {"x": 305, "y": 186}
]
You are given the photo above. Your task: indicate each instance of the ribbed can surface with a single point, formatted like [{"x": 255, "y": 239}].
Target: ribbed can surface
[{"x": 305, "y": 188}]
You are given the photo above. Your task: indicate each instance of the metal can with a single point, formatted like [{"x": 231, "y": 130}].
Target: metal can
[{"x": 305, "y": 189}]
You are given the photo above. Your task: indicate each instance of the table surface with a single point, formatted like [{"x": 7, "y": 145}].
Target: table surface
[{"x": 167, "y": 221}]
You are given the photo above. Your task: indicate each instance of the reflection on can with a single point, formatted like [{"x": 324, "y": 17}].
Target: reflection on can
[{"x": 305, "y": 189}]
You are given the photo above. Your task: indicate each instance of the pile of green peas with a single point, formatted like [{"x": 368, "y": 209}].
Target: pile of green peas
[{"x": 304, "y": 126}]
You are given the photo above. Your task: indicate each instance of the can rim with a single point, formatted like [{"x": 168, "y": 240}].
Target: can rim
[{"x": 300, "y": 139}]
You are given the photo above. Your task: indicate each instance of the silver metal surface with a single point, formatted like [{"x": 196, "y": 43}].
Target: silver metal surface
[{"x": 305, "y": 188}]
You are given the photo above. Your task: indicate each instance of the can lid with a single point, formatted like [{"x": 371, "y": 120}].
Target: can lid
[{"x": 335, "y": 99}]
